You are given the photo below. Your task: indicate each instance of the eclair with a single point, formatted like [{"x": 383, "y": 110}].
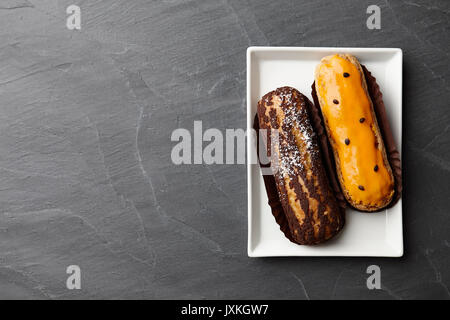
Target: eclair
[
  {"x": 362, "y": 166},
  {"x": 307, "y": 200}
]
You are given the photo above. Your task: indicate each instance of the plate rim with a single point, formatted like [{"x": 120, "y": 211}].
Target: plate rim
[{"x": 250, "y": 50}]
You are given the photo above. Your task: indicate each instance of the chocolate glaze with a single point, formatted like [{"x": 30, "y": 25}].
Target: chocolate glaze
[
  {"x": 296, "y": 108},
  {"x": 272, "y": 192}
]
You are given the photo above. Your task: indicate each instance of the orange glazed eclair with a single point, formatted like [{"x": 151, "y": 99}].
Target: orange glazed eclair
[{"x": 362, "y": 166}]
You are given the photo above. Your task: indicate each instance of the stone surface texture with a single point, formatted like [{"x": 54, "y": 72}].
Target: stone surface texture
[{"x": 85, "y": 171}]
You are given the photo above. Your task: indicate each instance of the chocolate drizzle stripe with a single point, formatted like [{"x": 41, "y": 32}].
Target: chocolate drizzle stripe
[{"x": 304, "y": 171}]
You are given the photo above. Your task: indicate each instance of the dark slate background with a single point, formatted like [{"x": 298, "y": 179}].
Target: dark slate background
[{"x": 85, "y": 171}]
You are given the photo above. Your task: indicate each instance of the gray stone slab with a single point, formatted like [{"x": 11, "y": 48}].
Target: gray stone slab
[{"x": 85, "y": 171}]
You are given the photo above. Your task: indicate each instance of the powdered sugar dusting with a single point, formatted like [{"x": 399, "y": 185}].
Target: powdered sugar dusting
[{"x": 297, "y": 145}]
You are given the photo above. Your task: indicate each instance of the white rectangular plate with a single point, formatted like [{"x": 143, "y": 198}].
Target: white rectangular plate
[{"x": 365, "y": 234}]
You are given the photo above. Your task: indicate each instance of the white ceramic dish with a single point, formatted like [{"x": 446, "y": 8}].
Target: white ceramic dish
[{"x": 378, "y": 234}]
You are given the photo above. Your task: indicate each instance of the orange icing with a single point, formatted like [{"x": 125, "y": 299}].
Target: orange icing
[{"x": 359, "y": 157}]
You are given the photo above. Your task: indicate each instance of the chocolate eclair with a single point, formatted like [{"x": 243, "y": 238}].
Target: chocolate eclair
[{"x": 308, "y": 204}]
